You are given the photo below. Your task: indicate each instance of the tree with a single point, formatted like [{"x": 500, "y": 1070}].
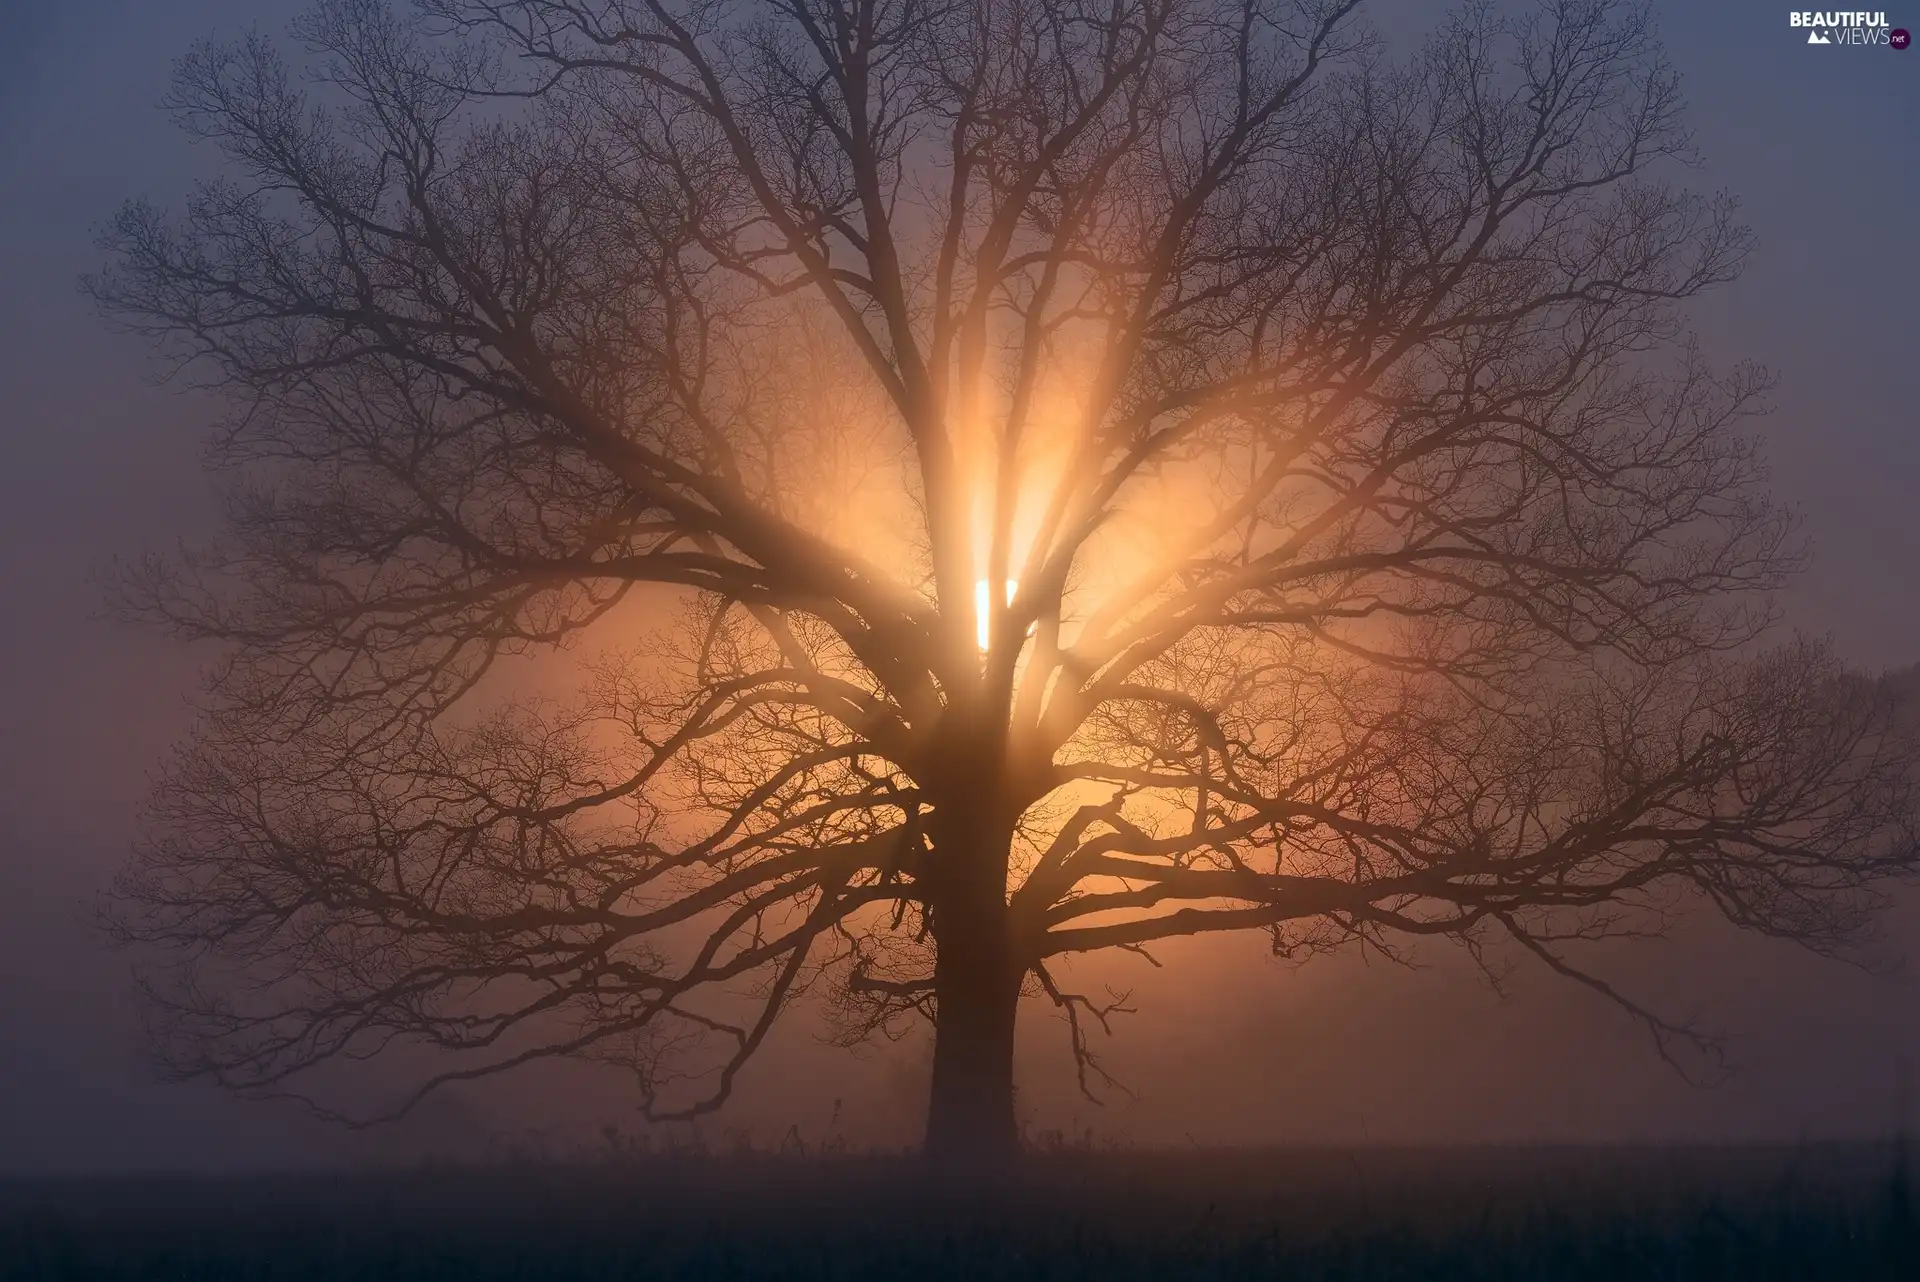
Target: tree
[{"x": 1096, "y": 470}]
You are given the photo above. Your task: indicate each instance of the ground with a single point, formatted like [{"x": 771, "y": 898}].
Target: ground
[{"x": 1811, "y": 1212}]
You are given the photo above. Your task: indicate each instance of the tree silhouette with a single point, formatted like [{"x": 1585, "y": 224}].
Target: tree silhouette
[{"x": 1096, "y": 471}]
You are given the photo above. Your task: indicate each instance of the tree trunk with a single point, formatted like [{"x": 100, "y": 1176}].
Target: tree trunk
[{"x": 970, "y": 1121}]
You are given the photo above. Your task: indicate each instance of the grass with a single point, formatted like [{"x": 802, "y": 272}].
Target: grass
[{"x": 1808, "y": 1213}]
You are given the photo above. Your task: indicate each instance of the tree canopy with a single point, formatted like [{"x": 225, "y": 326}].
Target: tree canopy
[{"x": 1089, "y": 471}]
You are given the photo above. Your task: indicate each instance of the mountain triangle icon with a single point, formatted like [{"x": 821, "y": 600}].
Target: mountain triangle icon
[{"x": 1815, "y": 38}]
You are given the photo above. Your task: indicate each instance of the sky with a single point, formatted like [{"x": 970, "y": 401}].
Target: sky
[{"x": 97, "y": 459}]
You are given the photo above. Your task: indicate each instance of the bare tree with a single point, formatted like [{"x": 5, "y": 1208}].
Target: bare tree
[{"x": 1108, "y": 470}]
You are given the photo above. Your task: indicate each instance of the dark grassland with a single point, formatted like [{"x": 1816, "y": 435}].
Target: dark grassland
[{"x": 1810, "y": 1212}]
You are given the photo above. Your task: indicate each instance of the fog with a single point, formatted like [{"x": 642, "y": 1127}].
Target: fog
[{"x": 98, "y": 460}]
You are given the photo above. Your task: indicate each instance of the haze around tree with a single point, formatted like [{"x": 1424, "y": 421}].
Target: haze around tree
[{"x": 1090, "y": 472}]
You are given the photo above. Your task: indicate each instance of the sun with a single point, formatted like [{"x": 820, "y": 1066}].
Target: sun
[{"x": 981, "y": 614}]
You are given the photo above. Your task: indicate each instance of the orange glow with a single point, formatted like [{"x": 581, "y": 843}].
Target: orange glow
[{"x": 980, "y": 613}]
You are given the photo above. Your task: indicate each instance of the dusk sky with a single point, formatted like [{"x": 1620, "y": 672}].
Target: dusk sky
[{"x": 97, "y": 460}]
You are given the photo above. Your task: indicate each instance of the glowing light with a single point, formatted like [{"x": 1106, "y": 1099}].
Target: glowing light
[{"x": 980, "y": 612}]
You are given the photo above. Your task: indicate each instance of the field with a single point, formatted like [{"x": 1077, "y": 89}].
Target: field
[{"x": 1804, "y": 1213}]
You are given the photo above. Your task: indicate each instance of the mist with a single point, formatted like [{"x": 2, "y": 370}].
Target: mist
[{"x": 1228, "y": 1046}]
